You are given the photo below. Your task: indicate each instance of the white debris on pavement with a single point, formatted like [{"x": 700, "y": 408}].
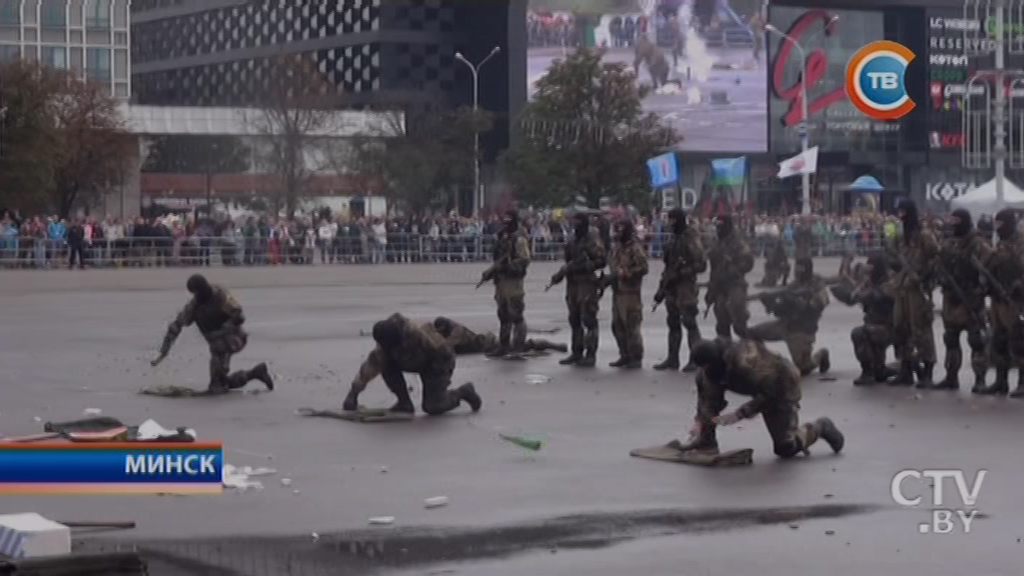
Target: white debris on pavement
[
  {"x": 383, "y": 469},
  {"x": 537, "y": 379},
  {"x": 151, "y": 430},
  {"x": 436, "y": 502},
  {"x": 92, "y": 412},
  {"x": 382, "y": 520},
  {"x": 286, "y": 481},
  {"x": 240, "y": 478}
]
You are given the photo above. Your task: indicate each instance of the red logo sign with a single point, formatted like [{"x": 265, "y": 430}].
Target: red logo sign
[
  {"x": 941, "y": 140},
  {"x": 816, "y": 68}
]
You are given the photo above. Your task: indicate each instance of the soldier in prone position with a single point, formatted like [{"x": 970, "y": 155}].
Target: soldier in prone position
[
  {"x": 584, "y": 256},
  {"x": 465, "y": 341},
  {"x": 748, "y": 368},
  {"x": 684, "y": 261},
  {"x": 403, "y": 346},
  {"x": 511, "y": 259},
  {"x": 628, "y": 267},
  {"x": 963, "y": 300},
  {"x": 798, "y": 309},
  {"x": 219, "y": 319}
]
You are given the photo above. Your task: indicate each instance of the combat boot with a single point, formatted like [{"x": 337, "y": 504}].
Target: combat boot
[
  {"x": 588, "y": 361},
  {"x": 675, "y": 340},
  {"x": 979, "y": 382},
  {"x": 866, "y": 378},
  {"x": 467, "y": 393},
  {"x": 571, "y": 360},
  {"x": 924, "y": 376},
  {"x": 1019, "y": 391},
  {"x": 950, "y": 382},
  {"x": 905, "y": 377},
  {"x": 823, "y": 361},
  {"x": 621, "y": 362},
  {"x": 828, "y": 432},
  {"x": 668, "y": 364},
  {"x": 499, "y": 352},
  {"x": 1001, "y": 387},
  {"x": 705, "y": 443},
  {"x": 262, "y": 373},
  {"x": 634, "y": 364}
]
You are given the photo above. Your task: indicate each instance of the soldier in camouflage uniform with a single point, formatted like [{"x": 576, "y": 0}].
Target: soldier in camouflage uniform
[
  {"x": 511, "y": 259},
  {"x": 465, "y": 341},
  {"x": 798, "y": 309},
  {"x": 875, "y": 295},
  {"x": 803, "y": 238},
  {"x": 748, "y": 368},
  {"x": 584, "y": 257},
  {"x": 628, "y": 266},
  {"x": 963, "y": 299},
  {"x": 731, "y": 260},
  {"x": 684, "y": 261},
  {"x": 1006, "y": 288},
  {"x": 914, "y": 315},
  {"x": 403, "y": 346},
  {"x": 776, "y": 265},
  {"x": 219, "y": 319}
]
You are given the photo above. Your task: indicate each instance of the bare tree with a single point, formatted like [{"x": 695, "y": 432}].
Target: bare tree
[{"x": 297, "y": 113}]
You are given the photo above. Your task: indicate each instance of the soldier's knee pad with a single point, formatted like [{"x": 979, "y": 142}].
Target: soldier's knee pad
[
  {"x": 787, "y": 449},
  {"x": 976, "y": 340},
  {"x": 951, "y": 338}
]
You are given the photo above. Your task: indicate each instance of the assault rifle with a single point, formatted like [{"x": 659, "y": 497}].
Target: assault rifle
[
  {"x": 564, "y": 270},
  {"x": 699, "y": 286},
  {"x": 996, "y": 285},
  {"x": 488, "y": 274},
  {"x": 795, "y": 289},
  {"x": 908, "y": 269},
  {"x": 951, "y": 282}
]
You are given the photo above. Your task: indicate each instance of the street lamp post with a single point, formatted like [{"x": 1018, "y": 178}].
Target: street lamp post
[
  {"x": 804, "y": 124},
  {"x": 475, "y": 70}
]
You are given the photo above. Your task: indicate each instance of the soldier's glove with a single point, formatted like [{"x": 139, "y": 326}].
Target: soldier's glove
[
  {"x": 659, "y": 296},
  {"x": 727, "y": 419}
]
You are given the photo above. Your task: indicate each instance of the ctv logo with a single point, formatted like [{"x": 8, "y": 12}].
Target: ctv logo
[
  {"x": 875, "y": 80},
  {"x": 944, "y": 518}
]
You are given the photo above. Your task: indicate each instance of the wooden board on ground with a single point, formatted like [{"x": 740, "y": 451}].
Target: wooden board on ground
[
  {"x": 172, "y": 391},
  {"x": 668, "y": 453},
  {"x": 363, "y": 415}
]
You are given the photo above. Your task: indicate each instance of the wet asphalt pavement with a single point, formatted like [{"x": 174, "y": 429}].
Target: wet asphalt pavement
[{"x": 75, "y": 340}]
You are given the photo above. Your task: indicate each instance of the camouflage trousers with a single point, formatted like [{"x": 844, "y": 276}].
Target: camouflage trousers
[
  {"x": 782, "y": 420},
  {"x": 914, "y": 337},
  {"x": 1007, "y": 336},
  {"x": 436, "y": 397},
  {"x": 731, "y": 314},
  {"x": 800, "y": 344},
  {"x": 958, "y": 318},
  {"x": 773, "y": 274},
  {"x": 627, "y": 317},
  {"x": 222, "y": 348},
  {"x": 581, "y": 299},
  {"x": 511, "y": 306},
  {"x": 488, "y": 342},
  {"x": 681, "y": 311},
  {"x": 870, "y": 342}
]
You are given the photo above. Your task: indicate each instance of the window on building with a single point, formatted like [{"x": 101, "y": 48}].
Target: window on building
[
  {"x": 10, "y": 12},
  {"x": 97, "y": 63},
  {"x": 8, "y": 52},
  {"x": 54, "y": 14},
  {"x": 55, "y": 57},
  {"x": 98, "y": 15}
]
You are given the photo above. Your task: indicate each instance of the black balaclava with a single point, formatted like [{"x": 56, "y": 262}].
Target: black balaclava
[
  {"x": 724, "y": 226},
  {"x": 387, "y": 334},
  {"x": 709, "y": 355},
  {"x": 443, "y": 326},
  {"x": 1006, "y": 224},
  {"x": 677, "y": 219},
  {"x": 963, "y": 224},
  {"x": 581, "y": 225},
  {"x": 803, "y": 269},
  {"x": 511, "y": 221},
  {"x": 199, "y": 287},
  {"x": 911, "y": 221},
  {"x": 626, "y": 231},
  {"x": 879, "y": 267}
]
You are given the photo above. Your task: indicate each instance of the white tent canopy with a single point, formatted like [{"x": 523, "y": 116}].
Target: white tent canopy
[{"x": 982, "y": 200}]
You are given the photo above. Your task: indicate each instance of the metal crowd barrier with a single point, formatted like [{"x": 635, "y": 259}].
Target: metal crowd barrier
[{"x": 399, "y": 248}]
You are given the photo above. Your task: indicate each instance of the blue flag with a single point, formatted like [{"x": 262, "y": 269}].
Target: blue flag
[
  {"x": 664, "y": 170},
  {"x": 729, "y": 171}
]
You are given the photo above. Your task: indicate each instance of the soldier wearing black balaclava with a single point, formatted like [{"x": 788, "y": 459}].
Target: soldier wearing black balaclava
[
  {"x": 684, "y": 261},
  {"x": 874, "y": 294},
  {"x": 1006, "y": 289},
  {"x": 776, "y": 264},
  {"x": 511, "y": 259},
  {"x": 963, "y": 299},
  {"x": 584, "y": 256},
  {"x": 219, "y": 318},
  {"x": 731, "y": 260},
  {"x": 628, "y": 266},
  {"x": 914, "y": 338}
]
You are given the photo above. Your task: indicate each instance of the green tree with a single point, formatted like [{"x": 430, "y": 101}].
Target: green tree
[
  {"x": 585, "y": 134},
  {"x": 421, "y": 161}
]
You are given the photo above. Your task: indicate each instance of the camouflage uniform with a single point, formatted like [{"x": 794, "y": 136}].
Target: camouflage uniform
[
  {"x": 406, "y": 347},
  {"x": 511, "y": 259},
  {"x": 684, "y": 261},
  {"x": 584, "y": 257},
  {"x": 803, "y": 239},
  {"x": 464, "y": 341},
  {"x": 870, "y": 340},
  {"x": 219, "y": 318},
  {"x": 776, "y": 265},
  {"x": 748, "y": 368},
  {"x": 1006, "y": 288},
  {"x": 961, "y": 279},
  {"x": 628, "y": 267},
  {"x": 798, "y": 309},
  {"x": 914, "y": 315},
  {"x": 730, "y": 261}
]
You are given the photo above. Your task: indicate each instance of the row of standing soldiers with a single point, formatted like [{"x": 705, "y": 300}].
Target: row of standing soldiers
[{"x": 798, "y": 308}]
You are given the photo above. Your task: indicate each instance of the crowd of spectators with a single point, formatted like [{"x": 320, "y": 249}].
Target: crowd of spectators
[{"x": 53, "y": 242}]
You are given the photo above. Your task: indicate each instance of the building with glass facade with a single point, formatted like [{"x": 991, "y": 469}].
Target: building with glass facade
[{"x": 91, "y": 37}]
